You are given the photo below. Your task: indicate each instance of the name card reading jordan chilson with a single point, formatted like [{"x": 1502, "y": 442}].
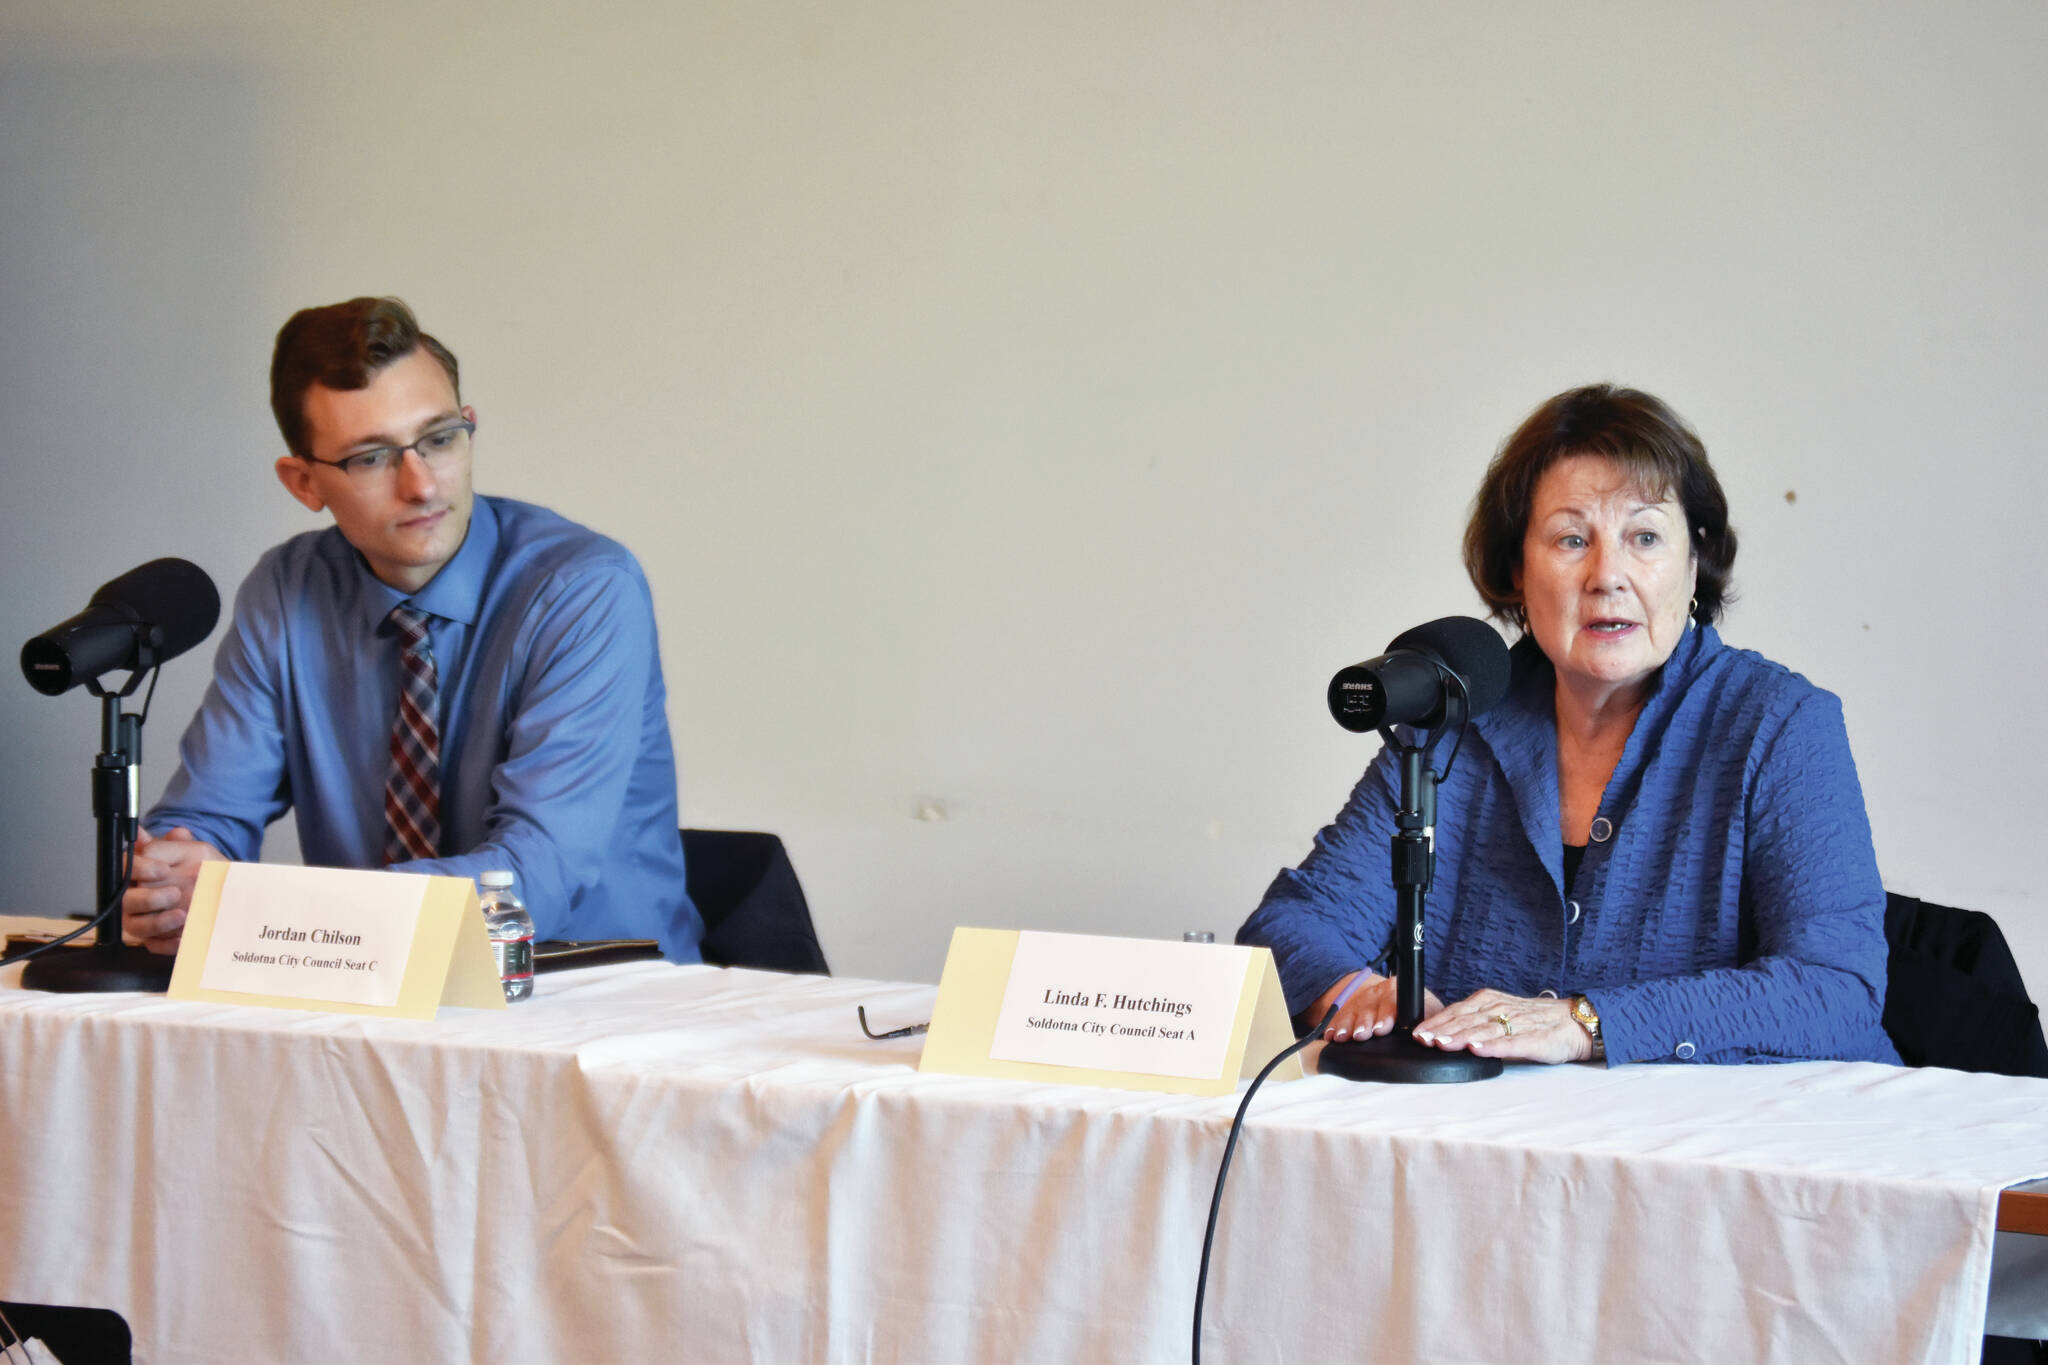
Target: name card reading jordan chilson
[
  {"x": 313, "y": 934},
  {"x": 1120, "y": 1004}
]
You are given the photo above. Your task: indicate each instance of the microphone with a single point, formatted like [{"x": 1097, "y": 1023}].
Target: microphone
[
  {"x": 1407, "y": 685},
  {"x": 147, "y": 616}
]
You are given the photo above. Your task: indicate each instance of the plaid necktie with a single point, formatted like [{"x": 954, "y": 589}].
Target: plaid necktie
[{"x": 412, "y": 793}]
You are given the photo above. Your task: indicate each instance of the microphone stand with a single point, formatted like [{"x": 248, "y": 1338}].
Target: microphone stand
[
  {"x": 107, "y": 964},
  {"x": 1396, "y": 1057}
]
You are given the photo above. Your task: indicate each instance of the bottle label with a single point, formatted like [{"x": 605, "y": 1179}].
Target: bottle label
[{"x": 515, "y": 958}]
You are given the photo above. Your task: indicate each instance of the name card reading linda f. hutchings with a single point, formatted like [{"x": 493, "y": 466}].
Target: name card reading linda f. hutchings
[
  {"x": 1118, "y": 1004},
  {"x": 313, "y": 933}
]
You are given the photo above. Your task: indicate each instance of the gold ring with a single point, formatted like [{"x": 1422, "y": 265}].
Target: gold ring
[{"x": 1507, "y": 1027}]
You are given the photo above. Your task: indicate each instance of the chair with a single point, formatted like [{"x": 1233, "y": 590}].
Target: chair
[
  {"x": 753, "y": 907},
  {"x": 1954, "y": 997},
  {"x": 82, "y": 1336}
]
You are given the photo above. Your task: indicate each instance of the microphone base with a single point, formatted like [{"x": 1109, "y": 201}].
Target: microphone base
[
  {"x": 98, "y": 968},
  {"x": 1399, "y": 1060}
]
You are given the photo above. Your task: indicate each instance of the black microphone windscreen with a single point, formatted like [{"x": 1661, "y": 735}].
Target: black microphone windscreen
[
  {"x": 174, "y": 595},
  {"x": 1468, "y": 647}
]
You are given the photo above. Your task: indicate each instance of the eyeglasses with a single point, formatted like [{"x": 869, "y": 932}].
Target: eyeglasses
[
  {"x": 436, "y": 448},
  {"x": 907, "y": 1031}
]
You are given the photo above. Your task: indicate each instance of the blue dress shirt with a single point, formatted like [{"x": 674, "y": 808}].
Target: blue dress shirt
[
  {"x": 1728, "y": 908},
  {"x": 555, "y": 756}
]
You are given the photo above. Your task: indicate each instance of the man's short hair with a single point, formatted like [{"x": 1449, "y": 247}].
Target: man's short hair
[{"x": 342, "y": 346}]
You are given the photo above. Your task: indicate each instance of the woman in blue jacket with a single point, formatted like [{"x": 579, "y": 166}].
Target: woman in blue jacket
[{"x": 1655, "y": 847}]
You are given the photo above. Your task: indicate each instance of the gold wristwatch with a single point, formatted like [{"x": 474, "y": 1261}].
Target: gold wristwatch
[{"x": 1588, "y": 1019}]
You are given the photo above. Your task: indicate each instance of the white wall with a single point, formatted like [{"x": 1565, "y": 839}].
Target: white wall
[{"x": 1020, "y": 409}]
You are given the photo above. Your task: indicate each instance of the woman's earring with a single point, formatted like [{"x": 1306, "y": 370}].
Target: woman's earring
[{"x": 1692, "y": 612}]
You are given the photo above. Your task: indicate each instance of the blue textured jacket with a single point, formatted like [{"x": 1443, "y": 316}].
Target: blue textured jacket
[{"x": 1728, "y": 908}]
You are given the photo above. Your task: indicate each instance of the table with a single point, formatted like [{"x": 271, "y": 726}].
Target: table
[
  {"x": 651, "y": 1161},
  {"x": 2024, "y": 1208}
]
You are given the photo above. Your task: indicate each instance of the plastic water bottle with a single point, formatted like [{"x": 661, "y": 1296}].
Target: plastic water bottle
[{"x": 511, "y": 930}]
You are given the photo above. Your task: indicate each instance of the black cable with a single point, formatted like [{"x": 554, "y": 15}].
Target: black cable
[
  {"x": 1459, "y": 716},
  {"x": 1464, "y": 719},
  {"x": 128, "y": 871},
  {"x": 143, "y": 717},
  {"x": 127, "y": 866},
  {"x": 1223, "y": 1170},
  {"x": 11, "y": 1339}
]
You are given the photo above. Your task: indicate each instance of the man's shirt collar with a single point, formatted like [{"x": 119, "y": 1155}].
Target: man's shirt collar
[
  {"x": 457, "y": 592},
  {"x": 454, "y": 594}
]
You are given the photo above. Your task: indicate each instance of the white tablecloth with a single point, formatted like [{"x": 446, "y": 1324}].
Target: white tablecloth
[{"x": 652, "y": 1162}]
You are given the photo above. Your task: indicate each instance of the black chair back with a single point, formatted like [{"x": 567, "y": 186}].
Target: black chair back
[
  {"x": 1954, "y": 997},
  {"x": 754, "y": 910}
]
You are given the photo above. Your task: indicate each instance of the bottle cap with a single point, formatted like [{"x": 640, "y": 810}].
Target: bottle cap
[{"x": 494, "y": 880}]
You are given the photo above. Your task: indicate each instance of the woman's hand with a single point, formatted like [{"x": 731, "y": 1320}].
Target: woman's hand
[
  {"x": 1490, "y": 1024},
  {"x": 1368, "y": 1011}
]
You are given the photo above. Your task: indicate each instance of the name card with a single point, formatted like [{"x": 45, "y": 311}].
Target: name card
[
  {"x": 1135, "y": 1014},
  {"x": 389, "y": 943}
]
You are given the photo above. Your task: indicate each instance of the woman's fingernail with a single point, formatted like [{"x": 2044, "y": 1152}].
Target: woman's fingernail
[
  {"x": 1382, "y": 1026},
  {"x": 1342, "y": 1034}
]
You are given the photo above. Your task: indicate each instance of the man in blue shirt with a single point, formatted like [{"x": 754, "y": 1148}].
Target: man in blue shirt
[{"x": 540, "y": 742}]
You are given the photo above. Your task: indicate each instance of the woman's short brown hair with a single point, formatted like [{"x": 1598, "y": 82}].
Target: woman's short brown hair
[
  {"x": 342, "y": 346},
  {"x": 1653, "y": 446}
]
